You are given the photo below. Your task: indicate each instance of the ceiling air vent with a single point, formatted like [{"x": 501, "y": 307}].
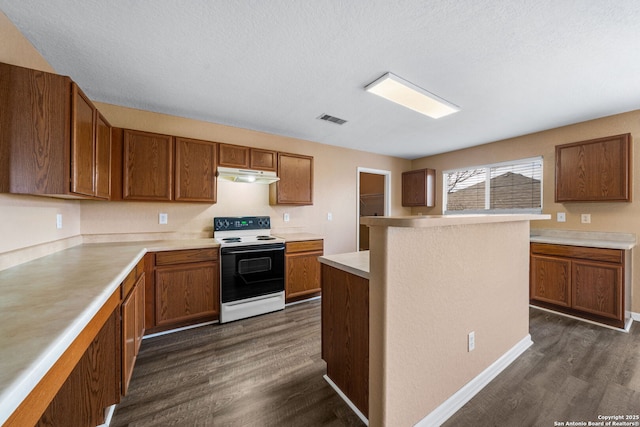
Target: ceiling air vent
[{"x": 332, "y": 119}]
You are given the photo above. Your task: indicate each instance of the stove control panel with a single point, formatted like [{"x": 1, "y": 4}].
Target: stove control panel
[{"x": 231, "y": 223}]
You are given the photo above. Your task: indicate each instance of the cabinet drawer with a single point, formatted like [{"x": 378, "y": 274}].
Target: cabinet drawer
[
  {"x": 304, "y": 246},
  {"x": 186, "y": 256},
  {"x": 131, "y": 278},
  {"x": 595, "y": 254}
]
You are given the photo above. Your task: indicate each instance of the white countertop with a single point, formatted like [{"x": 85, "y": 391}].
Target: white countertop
[
  {"x": 416, "y": 221},
  {"x": 47, "y": 302},
  {"x": 356, "y": 263},
  {"x": 593, "y": 239},
  {"x": 298, "y": 237}
]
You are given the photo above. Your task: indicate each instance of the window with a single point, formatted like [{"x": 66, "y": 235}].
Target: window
[{"x": 509, "y": 187}]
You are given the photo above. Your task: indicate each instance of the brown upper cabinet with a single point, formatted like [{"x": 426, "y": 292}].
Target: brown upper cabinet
[
  {"x": 103, "y": 157},
  {"x": 233, "y": 156},
  {"x": 598, "y": 170},
  {"x": 147, "y": 166},
  {"x": 236, "y": 156},
  {"x": 157, "y": 167},
  {"x": 295, "y": 186},
  {"x": 53, "y": 140},
  {"x": 265, "y": 160},
  {"x": 195, "y": 170},
  {"x": 419, "y": 188}
]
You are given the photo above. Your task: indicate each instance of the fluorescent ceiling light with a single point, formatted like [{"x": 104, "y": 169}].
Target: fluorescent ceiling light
[{"x": 407, "y": 94}]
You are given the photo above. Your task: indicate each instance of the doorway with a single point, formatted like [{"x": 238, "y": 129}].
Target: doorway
[{"x": 373, "y": 200}]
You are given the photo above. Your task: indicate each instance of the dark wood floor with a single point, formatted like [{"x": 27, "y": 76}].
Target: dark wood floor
[
  {"x": 267, "y": 371},
  {"x": 263, "y": 371},
  {"x": 575, "y": 371}
]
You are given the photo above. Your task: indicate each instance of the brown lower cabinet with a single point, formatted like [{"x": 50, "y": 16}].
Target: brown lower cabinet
[
  {"x": 302, "y": 277},
  {"x": 133, "y": 291},
  {"x": 92, "y": 385},
  {"x": 345, "y": 333},
  {"x": 582, "y": 281},
  {"x": 184, "y": 289}
]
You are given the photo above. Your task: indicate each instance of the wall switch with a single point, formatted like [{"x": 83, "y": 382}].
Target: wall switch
[
  {"x": 59, "y": 221},
  {"x": 285, "y": 217},
  {"x": 472, "y": 341},
  {"x": 163, "y": 218},
  {"x": 561, "y": 217},
  {"x": 585, "y": 218},
  {"x": 329, "y": 216}
]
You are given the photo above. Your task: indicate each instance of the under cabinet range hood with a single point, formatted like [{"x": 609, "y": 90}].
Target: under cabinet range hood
[{"x": 247, "y": 175}]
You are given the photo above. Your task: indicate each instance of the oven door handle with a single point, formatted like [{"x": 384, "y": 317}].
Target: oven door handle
[{"x": 233, "y": 252}]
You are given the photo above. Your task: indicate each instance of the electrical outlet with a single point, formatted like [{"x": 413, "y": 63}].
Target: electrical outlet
[
  {"x": 561, "y": 217},
  {"x": 585, "y": 218},
  {"x": 59, "y": 221},
  {"x": 329, "y": 216},
  {"x": 286, "y": 217},
  {"x": 163, "y": 218},
  {"x": 472, "y": 340}
]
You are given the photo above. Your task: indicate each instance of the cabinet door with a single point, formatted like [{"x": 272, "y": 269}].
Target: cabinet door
[
  {"x": 128, "y": 339},
  {"x": 148, "y": 166},
  {"x": 35, "y": 131},
  {"x": 186, "y": 292},
  {"x": 550, "y": 280},
  {"x": 82, "y": 143},
  {"x": 233, "y": 156},
  {"x": 140, "y": 305},
  {"x": 264, "y": 160},
  {"x": 103, "y": 157},
  {"x": 302, "y": 269},
  {"x": 93, "y": 384},
  {"x": 419, "y": 188},
  {"x": 597, "y": 288},
  {"x": 295, "y": 186},
  {"x": 195, "y": 170},
  {"x": 594, "y": 170}
]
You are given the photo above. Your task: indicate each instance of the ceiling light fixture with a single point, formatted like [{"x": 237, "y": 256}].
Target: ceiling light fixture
[{"x": 408, "y": 95}]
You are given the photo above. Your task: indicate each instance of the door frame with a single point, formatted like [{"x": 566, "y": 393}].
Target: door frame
[{"x": 387, "y": 196}]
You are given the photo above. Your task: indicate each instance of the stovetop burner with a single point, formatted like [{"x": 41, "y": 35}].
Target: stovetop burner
[
  {"x": 265, "y": 238},
  {"x": 231, "y": 239}
]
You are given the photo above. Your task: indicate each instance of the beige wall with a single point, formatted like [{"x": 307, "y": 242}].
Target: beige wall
[
  {"x": 335, "y": 177},
  {"x": 615, "y": 217},
  {"x": 429, "y": 288},
  {"x": 30, "y": 222}
]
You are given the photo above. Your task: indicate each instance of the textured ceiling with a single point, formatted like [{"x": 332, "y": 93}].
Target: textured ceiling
[{"x": 514, "y": 67}]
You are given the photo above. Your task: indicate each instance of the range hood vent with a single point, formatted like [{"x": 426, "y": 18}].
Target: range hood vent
[{"x": 247, "y": 175}]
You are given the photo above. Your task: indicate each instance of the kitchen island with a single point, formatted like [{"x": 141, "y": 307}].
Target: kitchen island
[{"x": 435, "y": 282}]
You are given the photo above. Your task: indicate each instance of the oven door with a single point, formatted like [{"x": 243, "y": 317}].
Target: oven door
[{"x": 251, "y": 271}]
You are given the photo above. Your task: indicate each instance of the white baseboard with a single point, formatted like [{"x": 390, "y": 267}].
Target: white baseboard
[
  {"x": 635, "y": 316},
  {"x": 443, "y": 412},
  {"x": 108, "y": 416},
  {"x": 347, "y": 400}
]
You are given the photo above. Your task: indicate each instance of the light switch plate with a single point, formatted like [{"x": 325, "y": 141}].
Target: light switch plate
[
  {"x": 59, "y": 221},
  {"x": 163, "y": 218},
  {"x": 561, "y": 217},
  {"x": 285, "y": 217},
  {"x": 585, "y": 218}
]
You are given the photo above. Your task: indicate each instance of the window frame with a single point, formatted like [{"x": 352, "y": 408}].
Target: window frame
[{"x": 487, "y": 168}]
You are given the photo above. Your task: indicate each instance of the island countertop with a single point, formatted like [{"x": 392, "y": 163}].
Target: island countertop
[
  {"x": 47, "y": 302},
  {"x": 356, "y": 263},
  {"x": 420, "y": 221}
]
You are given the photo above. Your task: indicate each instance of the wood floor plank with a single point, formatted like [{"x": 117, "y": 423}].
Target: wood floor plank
[
  {"x": 267, "y": 371},
  {"x": 574, "y": 371}
]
